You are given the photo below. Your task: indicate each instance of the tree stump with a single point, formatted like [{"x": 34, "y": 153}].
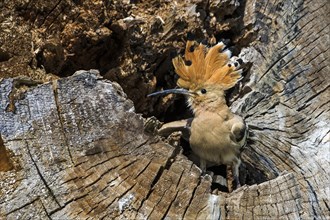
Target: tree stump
[{"x": 74, "y": 148}]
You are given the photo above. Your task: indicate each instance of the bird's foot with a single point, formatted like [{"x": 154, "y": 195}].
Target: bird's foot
[
  {"x": 174, "y": 139},
  {"x": 238, "y": 184},
  {"x": 151, "y": 125},
  {"x": 202, "y": 165}
]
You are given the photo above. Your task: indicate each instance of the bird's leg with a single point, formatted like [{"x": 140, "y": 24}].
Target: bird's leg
[
  {"x": 202, "y": 165},
  {"x": 238, "y": 184},
  {"x": 233, "y": 175},
  {"x": 229, "y": 178},
  {"x": 236, "y": 173}
]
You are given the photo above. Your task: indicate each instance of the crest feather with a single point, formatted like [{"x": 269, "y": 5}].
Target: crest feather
[
  {"x": 180, "y": 68},
  {"x": 206, "y": 66}
]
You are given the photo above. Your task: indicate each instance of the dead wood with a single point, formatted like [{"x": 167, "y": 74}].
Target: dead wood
[{"x": 75, "y": 148}]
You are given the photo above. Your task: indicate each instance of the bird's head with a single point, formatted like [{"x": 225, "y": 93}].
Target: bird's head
[{"x": 204, "y": 74}]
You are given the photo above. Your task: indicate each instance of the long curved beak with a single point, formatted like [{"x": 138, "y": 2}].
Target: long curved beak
[{"x": 170, "y": 91}]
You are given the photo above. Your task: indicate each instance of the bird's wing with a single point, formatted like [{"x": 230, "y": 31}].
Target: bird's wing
[{"x": 239, "y": 133}]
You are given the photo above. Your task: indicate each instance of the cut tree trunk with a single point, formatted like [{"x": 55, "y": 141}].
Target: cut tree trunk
[{"x": 74, "y": 148}]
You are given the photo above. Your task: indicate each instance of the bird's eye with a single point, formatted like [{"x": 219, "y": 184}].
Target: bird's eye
[{"x": 203, "y": 91}]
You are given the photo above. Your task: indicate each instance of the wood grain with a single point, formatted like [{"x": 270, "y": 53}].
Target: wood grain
[{"x": 75, "y": 148}]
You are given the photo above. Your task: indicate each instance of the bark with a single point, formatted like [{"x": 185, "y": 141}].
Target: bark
[{"x": 75, "y": 148}]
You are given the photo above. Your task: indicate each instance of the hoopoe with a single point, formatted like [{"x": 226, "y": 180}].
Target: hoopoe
[{"x": 217, "y": 135}]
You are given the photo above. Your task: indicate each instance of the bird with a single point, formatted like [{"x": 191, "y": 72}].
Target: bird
[{"x": 217, "y": 135}]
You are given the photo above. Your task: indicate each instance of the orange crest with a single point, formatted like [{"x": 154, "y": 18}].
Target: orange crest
[{"x": 206, "y": 66}]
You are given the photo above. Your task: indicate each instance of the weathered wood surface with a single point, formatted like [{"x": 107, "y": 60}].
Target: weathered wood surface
[
  {"x": 288, "y": 108},
  {"x": 74, "y": 148},
  {"x": 71, "y": 160}
]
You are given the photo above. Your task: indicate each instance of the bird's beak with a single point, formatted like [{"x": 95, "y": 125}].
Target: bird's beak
[{"x": 170, "y": 91}]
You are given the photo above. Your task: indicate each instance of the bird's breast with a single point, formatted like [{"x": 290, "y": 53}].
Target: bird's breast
[{"x": 210, "y": 139}]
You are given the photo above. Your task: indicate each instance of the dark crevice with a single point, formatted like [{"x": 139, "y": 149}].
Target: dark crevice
[
  {"x": 141, "y": 144},
  {"x": 257, "y": 128},
  {"x": 192, "y": 197},
  {"x": 161, "y": 169},
  {"x": 305, "y": 32},
  {"x": 227, "y": 211},
  {"x": 102, "y": 175},
  {"x": 4, "y": 56},
  {"x": 142, "y": 171},
  {"x": 55, "y": 18},
  {"x": 320, "y": 113},
  {"x": 6, "y": 163},
  {"x": 41, "y": 176},
  {"x": 52, "y": 9},
  {"x": 326, "y": 204},
  {"x": 69, "y": 180},
  {"x": 317, "y": 55},
  {"x": 106, "y": 160},
  {"x": 200, "y": 210},
  {"x": 277, "y": 61},
  {"x": 172, "y": 158},
  {"x": 159, "y": 200},
  {"x": 317, "y": 94},
  {"x": 170, "y": 205},
  {"x": 174, "y": 197},
  {"x": 271, "y": 168},
  {"x": 276, "y": 155},
  {"x": 109, "y": 183},
  {"x": 128, "y": 164},
  {"x": 68, "y": 202},
  {"x": 117, "y": 198},
  {"x": 43, "y": 206},
  {"x": 315, "y": 196},
  {"x": 292, "y": 26},
  {"x": 22, "y": 207},
  {"x": 290, "y": 89},
  {"x": 60, "y": 118},
  {"x": 153, "y": 183},
  {"x": 95, "y": 206}
]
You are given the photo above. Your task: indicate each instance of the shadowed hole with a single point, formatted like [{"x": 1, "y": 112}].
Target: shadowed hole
[
  {"x": 4, "y": 56},
  {"x": 5, "y": 162}
]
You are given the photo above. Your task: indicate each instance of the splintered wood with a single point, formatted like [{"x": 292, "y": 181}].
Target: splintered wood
[
  {"x": 105, "y": 167},
  {"x": 74, "y": 148}
]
